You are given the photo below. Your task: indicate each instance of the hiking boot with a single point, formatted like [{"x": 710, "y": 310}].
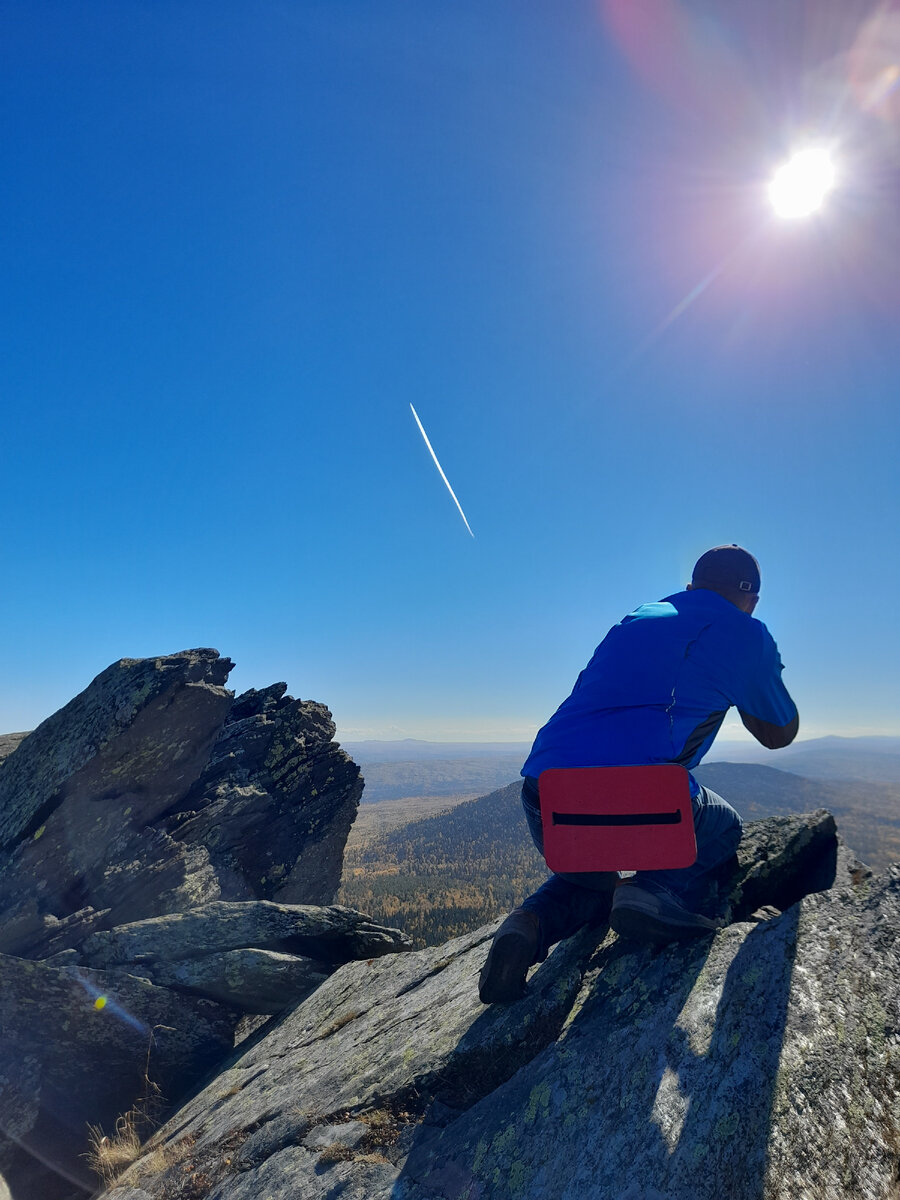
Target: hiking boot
[
  {"x": 655, "y": 916},
  {"x": 512, "y": 952}
]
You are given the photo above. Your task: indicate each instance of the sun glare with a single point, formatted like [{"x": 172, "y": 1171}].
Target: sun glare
[{"x": 800, "y": 186}]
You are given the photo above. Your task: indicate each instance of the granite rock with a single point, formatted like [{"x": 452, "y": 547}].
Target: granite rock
[
  {"x": 275, "y": 804},
  {"x": 77, "y": 795},
  {"x": 254, "y": 981},
  {"x": 154, "y": 795},
  {"x": 135, "y": 739},
  {"x": 760, "y": 1063}
]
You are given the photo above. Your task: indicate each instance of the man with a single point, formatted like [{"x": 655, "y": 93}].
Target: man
[{"x": 656, "y": 691}]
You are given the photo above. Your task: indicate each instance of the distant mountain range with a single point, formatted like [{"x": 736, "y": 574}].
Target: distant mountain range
[
  {"x": 861, "y": 758},
  {"x": 414, "y": 750},
  {"x": 437, "y": 776},
  {"x": 394, "y": 770},
  {"x": 867, "y": 813}
]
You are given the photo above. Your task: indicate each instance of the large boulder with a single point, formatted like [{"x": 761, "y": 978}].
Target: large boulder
[
  {"x": 154, "y": 791},
  {"x": 255, "y": 981},
  {"x": 138, "y": 736},
  {"x": 132, "y": 873},
  {"x": 762, "y": 1061},
  {"x": 334, "y": 934},
  {"x": 27, "y": 932},
  {"x": 75, "y": 792}
]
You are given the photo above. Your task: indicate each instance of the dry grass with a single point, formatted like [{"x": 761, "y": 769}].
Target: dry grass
[
  {"x": 338, "y": 1024},
  {"x": 336, "y": 1153},
  {"x": 168, "y": 1155},
  {"x": 108, "y": 1155}
]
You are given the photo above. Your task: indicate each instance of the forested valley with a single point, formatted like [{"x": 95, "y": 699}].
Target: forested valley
[{"x": 444, "y": 875}]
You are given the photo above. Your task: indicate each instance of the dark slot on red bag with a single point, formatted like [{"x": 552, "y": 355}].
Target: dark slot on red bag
[{"x": 617, "y": 818}]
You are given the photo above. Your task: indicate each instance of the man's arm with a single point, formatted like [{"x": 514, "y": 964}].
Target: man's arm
[
  {"x": 773, "y": 737},
  {"x": 765, "y": 706}
]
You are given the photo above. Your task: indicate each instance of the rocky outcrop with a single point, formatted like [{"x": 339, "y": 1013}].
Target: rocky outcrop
[
  {"x": 332, "y": 935},
  {"x": 759, "y": 1064},
  {"x": 145, "y": 829},
  {"x": 154, "y": 790},
  {"x": 131, "y": 744},
  {"x": 274, "y": 805},
  {"x": 255, "y": 981}
]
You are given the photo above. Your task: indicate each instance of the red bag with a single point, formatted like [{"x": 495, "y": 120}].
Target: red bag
[{"x": 617, "y": 818}]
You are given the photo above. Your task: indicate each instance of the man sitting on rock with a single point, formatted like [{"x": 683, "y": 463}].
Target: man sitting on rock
[{"x": 656, "y": 691}]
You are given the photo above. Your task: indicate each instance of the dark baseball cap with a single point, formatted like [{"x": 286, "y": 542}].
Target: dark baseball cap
[{"x": 727, "y": 567}]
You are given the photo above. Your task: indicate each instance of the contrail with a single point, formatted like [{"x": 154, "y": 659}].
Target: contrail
[{"x": 441, "y": 469}]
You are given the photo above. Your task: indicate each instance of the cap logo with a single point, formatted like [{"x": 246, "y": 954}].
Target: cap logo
[{"x": 745, "y": 586}]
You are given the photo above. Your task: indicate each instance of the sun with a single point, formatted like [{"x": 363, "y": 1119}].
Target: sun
[{"x": 801, "y": 185}]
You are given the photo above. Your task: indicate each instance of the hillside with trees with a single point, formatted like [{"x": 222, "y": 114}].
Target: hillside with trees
[
  {"x": 444, "y": 875},
  {"x": 439, "y": 877}
]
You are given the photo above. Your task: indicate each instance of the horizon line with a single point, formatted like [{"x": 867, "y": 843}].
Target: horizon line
[{"x": 349, "y": 736}]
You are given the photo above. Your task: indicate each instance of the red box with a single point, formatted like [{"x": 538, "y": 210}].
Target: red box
[{"x": 617, "y": 818}]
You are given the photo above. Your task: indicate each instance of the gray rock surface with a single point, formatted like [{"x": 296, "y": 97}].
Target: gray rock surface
[
  {"x": 133, "y": 873},
  {"x": 74, "y": 1048},
  {"x": 77, "y": 795},
  {"x": 22, "y": 1175},
  {"x": 154, "y": 795},
  {"x": 766, "y": 1064},
  {"x": 275, "y": 804},
  {"x": 334, "y": 934},
  {"x": 28, "y": 933},
  {"x": 141, "y": 732},
  {"x": 762, "y": 1063},
  {"x": 398, "y": 1031},
  {"x": 255, "y": 981},
  {"x": 154, "y": 791}
]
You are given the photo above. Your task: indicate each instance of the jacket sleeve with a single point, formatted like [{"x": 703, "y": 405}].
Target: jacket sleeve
[{"x": 765, "y": 706}]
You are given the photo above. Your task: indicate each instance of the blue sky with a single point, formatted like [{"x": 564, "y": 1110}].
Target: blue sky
[{"x": 240, "y": 239}]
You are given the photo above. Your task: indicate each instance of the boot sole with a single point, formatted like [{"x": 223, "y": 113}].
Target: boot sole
[
  {"x": 502, "y": 978},
  {"x": 648, "y": 927}
]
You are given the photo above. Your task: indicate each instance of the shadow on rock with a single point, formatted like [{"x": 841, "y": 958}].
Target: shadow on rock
[{"x": 662, "y": 1080}]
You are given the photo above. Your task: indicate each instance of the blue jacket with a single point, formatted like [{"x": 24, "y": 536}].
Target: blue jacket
[{"x": 660, "y": 683}]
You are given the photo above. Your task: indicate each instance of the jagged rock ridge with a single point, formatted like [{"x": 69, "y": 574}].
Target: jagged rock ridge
[{"x": 168, "y": 859}]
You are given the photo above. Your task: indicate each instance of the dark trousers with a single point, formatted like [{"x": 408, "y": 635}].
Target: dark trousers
[{"x": 565, "y": 903}]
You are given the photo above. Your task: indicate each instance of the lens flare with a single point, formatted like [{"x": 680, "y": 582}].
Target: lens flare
[{"x": 801, "y": 185}]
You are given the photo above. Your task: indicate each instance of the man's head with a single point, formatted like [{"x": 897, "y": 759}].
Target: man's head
[{"x": 730, "y": 571}]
